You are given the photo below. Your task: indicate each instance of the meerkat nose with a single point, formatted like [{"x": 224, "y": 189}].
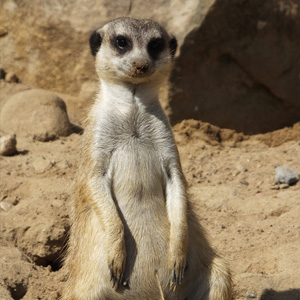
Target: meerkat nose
[{"x": 140, "y": 68}]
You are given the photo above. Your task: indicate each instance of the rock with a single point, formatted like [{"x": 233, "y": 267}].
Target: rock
[
  {"x": 286, "y": 175},
  {"x": 11, "y": 77},
  {"x": 5, "y": 206},
  {"x": 243, "y": 181},
  {"x": 230, "y": 72},
  {"x": 250, "y": 295},
  {"x": 240, "y": 168},
  {"x": 8, "y": 145},
  {"x": 36, "y": 113}
]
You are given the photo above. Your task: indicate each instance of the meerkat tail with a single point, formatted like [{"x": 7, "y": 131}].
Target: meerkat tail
[{"x": 220, "y": 280}]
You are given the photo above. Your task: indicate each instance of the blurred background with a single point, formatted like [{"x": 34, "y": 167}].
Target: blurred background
[{"x": 237, "y": 65}]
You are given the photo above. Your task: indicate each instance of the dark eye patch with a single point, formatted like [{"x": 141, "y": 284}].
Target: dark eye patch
[
  {"x": 121, "y": 43},
  {"x": 155, "y": 47}
]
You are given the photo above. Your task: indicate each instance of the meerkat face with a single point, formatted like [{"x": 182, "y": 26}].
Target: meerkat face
[{"x": 132, "y": 50}]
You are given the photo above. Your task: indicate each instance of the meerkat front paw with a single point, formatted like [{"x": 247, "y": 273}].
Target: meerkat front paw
[
  {"x": 117, "y": 262},
  {"x": 177, "y": 266},
  {"x": 117, "y": 268}
]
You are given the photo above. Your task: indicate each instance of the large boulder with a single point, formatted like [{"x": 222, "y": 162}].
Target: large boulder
[
  {"x": 240, "y": 67},
  {"x": 36, "y": 113}
]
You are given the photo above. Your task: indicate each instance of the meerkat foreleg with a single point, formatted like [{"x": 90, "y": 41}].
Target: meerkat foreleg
[
  {"x": 104, "y": 206},
  {"x": 177, "y": 212}
]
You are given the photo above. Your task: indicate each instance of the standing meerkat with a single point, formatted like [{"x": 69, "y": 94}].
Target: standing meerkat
[{"x": 133, "y": 235}]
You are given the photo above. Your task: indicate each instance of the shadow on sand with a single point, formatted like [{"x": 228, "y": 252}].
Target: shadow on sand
[{"x": 293, "y": 294}]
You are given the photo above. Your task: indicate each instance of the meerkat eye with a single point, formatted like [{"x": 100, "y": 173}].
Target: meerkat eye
[
  {"x": 122, "y": 42},
  {"x": 156, "y": 46}
]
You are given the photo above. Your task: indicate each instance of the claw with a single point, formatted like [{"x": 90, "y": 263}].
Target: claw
[
  {"x": 115, "y": 280},
  {"x": 177, "y": 278},
  {"x": 173, "y": 275},
  {"x": 120, "y": 279},
  {"x": 111, "y": 274},
  {"x": 181, "y": 276}
]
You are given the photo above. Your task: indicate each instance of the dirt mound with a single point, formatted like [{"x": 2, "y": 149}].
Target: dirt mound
[
  {"x": 191, "y": 129},
  {"x": 280, "y": 136},
  {"x": 188, "y": 130}
]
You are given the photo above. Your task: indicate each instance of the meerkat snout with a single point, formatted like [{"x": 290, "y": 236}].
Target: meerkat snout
[{"x": 139, "y": 68}]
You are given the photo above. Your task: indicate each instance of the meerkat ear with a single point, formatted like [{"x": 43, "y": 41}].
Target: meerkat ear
[
  {"x": 173, "y": 46},
  {"x": 95, "y": 42}
]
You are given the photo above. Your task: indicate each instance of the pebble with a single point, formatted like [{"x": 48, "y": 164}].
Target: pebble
[
  {"x": 250, "y": 295},
  {"x": 240, "y": 168},
  {"x": 286, "y": 175},
  {"x": 8, "y": 145},
  {"x": 243, "y": 181},
  {"x": 5, "y": 206}
]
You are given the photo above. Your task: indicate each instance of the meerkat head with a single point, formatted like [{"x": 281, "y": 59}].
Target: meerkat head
[{"x": 133, "y": 50}]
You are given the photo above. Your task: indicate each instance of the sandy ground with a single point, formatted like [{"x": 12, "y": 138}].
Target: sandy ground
[{"x": 251, "y": 220}]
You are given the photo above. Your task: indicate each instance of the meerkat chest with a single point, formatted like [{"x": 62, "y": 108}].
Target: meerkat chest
[
  {"x": 132, "y": 142},
  {"x": 135, "y": 130}
]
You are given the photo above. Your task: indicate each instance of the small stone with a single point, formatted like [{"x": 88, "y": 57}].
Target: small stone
[
  {"x": 8, "y": 145},
  {"x": 243, "y": 181},
  {"x": 11, "y": 77},
  {"x": 286, "y": 175},
  {"x": 240, "y": 168},
  {"x": 5, "y": 206},
  {"x": 250, "y": 295}
]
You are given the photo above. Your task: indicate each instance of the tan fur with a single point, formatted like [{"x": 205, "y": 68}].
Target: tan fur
[{"x": 133, "y": 233}]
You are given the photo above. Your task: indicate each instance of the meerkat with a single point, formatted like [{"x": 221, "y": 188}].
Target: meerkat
[{"x": 133, "y": 233}]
